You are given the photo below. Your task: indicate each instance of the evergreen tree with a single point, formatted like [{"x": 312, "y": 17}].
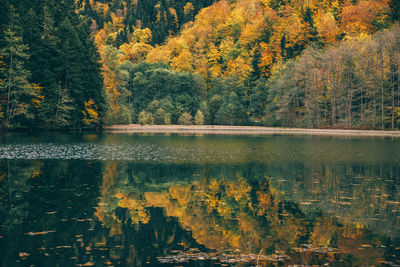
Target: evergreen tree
[{"x": 17, "y": 91}]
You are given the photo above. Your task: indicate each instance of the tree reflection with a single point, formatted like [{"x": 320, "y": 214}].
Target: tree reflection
[
  {"x": 248, "y": 215},
  {"x": 134, "y": 214}
]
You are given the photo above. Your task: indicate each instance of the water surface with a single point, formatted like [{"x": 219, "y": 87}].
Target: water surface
[{"x": 157, "y": 199}]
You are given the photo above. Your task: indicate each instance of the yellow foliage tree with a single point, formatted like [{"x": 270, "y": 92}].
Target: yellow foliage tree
[{"x": 90, "y": 114}]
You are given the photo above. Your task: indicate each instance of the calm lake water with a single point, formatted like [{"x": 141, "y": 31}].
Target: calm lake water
[{"x": 198, "y": 200}]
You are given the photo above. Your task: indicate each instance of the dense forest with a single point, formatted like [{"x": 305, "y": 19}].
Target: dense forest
[
  {"x": 50, "y": 72},
  {"x": 85, "y": 63}
]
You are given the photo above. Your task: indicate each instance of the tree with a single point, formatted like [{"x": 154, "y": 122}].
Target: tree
[
  {"x": 63, "y": 109},
  {"x": 161, "y": 117},
  {"x": 19, "y": 91},
  {"x": 90, "y": 114},
  {"x": 145, "y": 118},
  {"x": 231, "y": 111},
  {"x": 199, "y": 118},
  {"x": 185, "y": 119},
  {"x": 395, "y": 7}
]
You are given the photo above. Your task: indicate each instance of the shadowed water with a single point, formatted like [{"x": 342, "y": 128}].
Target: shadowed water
[{"x": 136, "y": 200}]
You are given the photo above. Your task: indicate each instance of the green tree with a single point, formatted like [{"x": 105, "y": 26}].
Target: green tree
[
  {"x": 145, "y": 118},
  {"x": 161, "y": 117},
  {"x": 63, "y": 109},
  {"x": 231, "y": 111},
  {"x": 19, "y": 91},
  {"x": 199, "y": 118},
  {"x": 185, "y": 119}
]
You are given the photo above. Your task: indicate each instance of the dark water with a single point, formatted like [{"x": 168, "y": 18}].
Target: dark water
[{"x": 176, "y": 200}]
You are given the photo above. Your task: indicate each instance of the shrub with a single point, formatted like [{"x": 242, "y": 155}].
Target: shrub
[
  {"x": 185, "y": 119},
  {"x": 199, "y": 118},
  {"x": 145, "y": 118},
  {"x": 161, "y": 117}
]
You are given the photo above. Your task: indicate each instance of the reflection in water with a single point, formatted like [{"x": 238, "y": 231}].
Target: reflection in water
[
  {"x": 255, "y": 209},
  {"x": 247, "y": 216}
]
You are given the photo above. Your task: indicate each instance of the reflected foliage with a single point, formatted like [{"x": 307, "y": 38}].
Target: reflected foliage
[
  {"x": 288, "y": 206},
  {"x": 252, "y": 215}
]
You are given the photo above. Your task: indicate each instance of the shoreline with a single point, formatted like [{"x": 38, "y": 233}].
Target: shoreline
[{"x": 242, "y": 130}]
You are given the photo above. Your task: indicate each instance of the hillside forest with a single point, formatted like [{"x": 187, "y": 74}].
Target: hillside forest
[{"x": 72, "y": 64}]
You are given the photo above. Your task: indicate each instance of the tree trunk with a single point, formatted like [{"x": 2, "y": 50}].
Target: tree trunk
[{"x": 8, "y": 112}]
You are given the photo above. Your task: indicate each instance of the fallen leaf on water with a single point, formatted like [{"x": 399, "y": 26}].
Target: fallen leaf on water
[
  {"x": 63, "y": 247},
  {"x": 40, "y": 233},
  {"x": 51, "y": 212},
  {"x": 86, "y": 264},
  {"x": 366, "y": 246},
  {"x": 23, "y": 254}
]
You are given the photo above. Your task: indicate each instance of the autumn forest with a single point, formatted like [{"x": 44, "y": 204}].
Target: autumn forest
[{"x": 73, "y": 64}]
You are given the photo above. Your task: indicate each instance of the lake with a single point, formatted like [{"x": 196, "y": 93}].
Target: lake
[{"x": 198, "y": 200}]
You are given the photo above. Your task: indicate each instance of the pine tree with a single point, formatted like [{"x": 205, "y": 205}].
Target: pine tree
[
  {"x": 63, "y": 109},
  {"x": 17, "y": 91}
]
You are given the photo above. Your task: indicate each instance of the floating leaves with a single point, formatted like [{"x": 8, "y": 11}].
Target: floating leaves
[
  {"x": 23, "y": 255},
  {"x": 86, "y": 264},
  {"x": 222, "y": 257},
  {"x": 40, "y": 233}
]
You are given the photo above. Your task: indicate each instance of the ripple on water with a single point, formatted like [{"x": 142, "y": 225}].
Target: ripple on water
[{"x": 89, "y": 151}]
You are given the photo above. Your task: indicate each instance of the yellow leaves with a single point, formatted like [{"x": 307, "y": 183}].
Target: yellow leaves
[
  {"x": 326, "y": 26},
  {"x": 183, "y": 62},
  {"x": 214, "y": 186},
  {"x": 137, "y": 209},
  {"x": 239, "y": 67},
  {"x": 172, "y": 11},
  {"x": 90, "y": 114},
  {"x": 141, "y": 36},
  {"x": 135, "y": 52},
  {"x": 213, "y": 60},
  {"x": 396, "y": 111},
  {"x": 181, "y": 194},
  {"x": 37, "y": 99},
  {"x": 188, "y": 9},
  {"x": 117, "y": 21},
  {"x": 238, "y": 190}
]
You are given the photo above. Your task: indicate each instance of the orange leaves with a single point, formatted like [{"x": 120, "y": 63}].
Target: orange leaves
[
  {"x": 360, "y": 18},
  {"x": 101, "y": 38},
  {"x": 266, "y": 60}
]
